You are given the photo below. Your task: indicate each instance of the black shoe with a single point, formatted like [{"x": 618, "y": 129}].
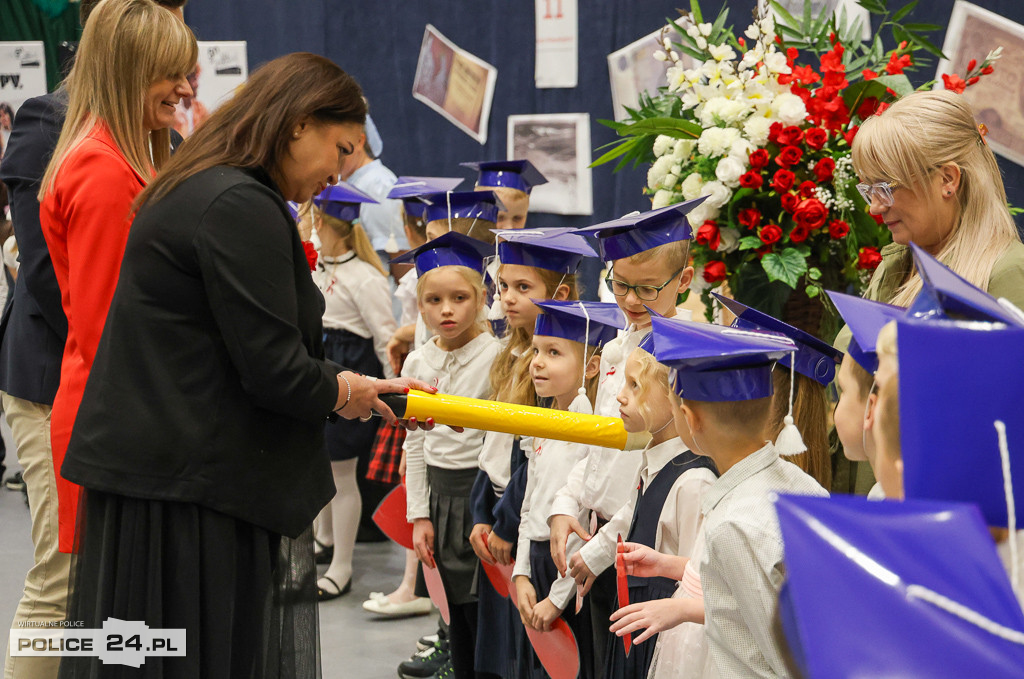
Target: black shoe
[
  {"x": 322, "y": 553},
  {"x": 426, "y": 663},
  {"x": 15, "y": 482},
  {"x": 324, "y": 595},
  {"x": 446, "y": 671}
]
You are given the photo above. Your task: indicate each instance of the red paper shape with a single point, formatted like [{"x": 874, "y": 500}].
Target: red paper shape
[
  {"x": 557, "y": 650},
  {"x": 500, "y": 580},
  {"x": 622, "y": 585},
  {"x": 436, "y": 589},
  {"x": 390, "y": 517}
]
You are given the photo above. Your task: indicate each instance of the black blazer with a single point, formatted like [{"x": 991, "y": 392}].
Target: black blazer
[
  {"x": 33, "y": 328},
  {"x": 209, "y": 384}
]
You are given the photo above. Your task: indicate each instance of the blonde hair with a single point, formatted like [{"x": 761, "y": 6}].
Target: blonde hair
[
  {"x": 887, "y": 421},
  {"x": 510, "y": 372},
  {"x": 479, "y": 229},
  {"x": 127, "y": 45},
  {"x": 506, "y": 194},
  {"x": 471, "y": 276},
  {"x": 919, "y": 133},
  {"x": 885, "y": 345},
  {"x": 652, "y": 378},
  {"x": 676, "y": 254},
  {"x": 355, "y": 239},
  {"x": 810, "y": 413}
]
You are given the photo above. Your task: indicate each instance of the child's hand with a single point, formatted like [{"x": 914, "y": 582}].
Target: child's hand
[
  {"x": 500, "y": 550},
  {"x": 656, "y": 616},
  {"x": 527, "y": 599},
  {"x": 582, "y": 573},
  {"x": 401, "y": 465},
  {"x": 397, "y": 349},
  {"x": 423, "y": 541},
  {"x": 544, "y": 615},
  {"x": 644, "y": 562},
  {"x": 561, "y": 526},
  {"x": 476, "y": 541}
]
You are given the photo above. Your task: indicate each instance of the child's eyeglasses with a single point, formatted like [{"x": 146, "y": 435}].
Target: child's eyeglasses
[
  {"x": 882, "y": 191},
  {"x": 646, "y": 293}
]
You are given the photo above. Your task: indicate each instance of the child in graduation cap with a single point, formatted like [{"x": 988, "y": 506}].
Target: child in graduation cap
[
  {"x": 512, "y": 181},
  {"x": 442, "y": 463},
  {"x": 357, "y": 325},
  {"x": 650, "y": 259},
  {"x": 723, "y": 377},
  {"x": 564, "y": 367}
]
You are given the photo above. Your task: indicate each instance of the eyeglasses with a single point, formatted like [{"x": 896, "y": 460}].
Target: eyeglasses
[
  {"x": 882, "y": 191},
  {"x": 643, "y": 292}
]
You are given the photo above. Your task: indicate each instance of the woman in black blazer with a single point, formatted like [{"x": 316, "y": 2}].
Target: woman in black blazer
[{"x": 199, "y": 439}]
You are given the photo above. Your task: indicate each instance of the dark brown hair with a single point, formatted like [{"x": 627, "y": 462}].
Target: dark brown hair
[{"x": 254, "y": 128}]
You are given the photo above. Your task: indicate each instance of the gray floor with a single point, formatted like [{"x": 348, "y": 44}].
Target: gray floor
[{"x": 354, "y": 644}]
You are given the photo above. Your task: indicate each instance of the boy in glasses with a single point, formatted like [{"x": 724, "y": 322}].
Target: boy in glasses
[{"x": 649, "y": 257}]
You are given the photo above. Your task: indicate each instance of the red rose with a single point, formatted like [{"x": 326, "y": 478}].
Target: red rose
[
  {"x": 770, "y": 234},
  {"x": 810, "y": 213},
  {"x": 791, "y": 135},
  {"x": 708, "y": 234},
  {"x": 773, "y": 132},
  {"x": 749, "y": 217},
  {"x": 867, "y": 108},
  {"x": 759, "y": 159},
  {"x": 837, "y": 228},
  {"x": 806, "y": 189},
  {"x": 799, "y": 234},
  {"x": 816, "y": 138},
  {"x": 311, "y": 255},
  {"x": 751, "y": 180},
  {"x": 714, "y": 271},
  {"x": 868, "y": 258},
  {"x": 823, "y": 169},
  {"x": 783, "y": 180},
  {"x": 789, "y": 202},
  {"x": 789, "y": 156}
]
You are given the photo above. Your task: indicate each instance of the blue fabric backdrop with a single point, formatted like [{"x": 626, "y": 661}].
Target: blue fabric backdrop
[{"x": 378, "y": 43}]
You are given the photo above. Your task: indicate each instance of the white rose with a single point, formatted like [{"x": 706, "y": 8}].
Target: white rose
[
  {"x": 729, "y": 170},
  {"x": 692, "y": 185},
  {"x": 663, "y": 198},
  {"x": 656, "y": 175},
  {"x": 741, "y": 150},
  {"x": 756, "y": 128},
  {"x": 662, "y": 144},
  {"x": 730, "y": 236},
  {"x": 789, "y": 108},
  {"x": 718, "y": 194},
  {"x": 702, "y": 213},
  {"x": 722, "y": 52},
  {"x": 683, "y": 149}
]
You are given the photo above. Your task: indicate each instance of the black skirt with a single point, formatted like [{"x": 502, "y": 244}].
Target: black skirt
[
  {"x": 246, "y": 597},
  {"x": 348, "y": 439}
]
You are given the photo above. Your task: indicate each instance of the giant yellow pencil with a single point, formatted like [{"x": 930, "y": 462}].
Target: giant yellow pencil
[{"x": 458, "y": 411}]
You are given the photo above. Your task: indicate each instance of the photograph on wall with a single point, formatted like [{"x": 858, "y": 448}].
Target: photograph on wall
[
  {"x": 558, "y": 144},
  {"x": 998, "y": 98},
  {"x": 222, "y": 67},
  {"x": 633, "y": 69},
  {"x": 557, "y": 59},
  {"x": 454, "y": 83},
  {"x": 22, "y": 76}
]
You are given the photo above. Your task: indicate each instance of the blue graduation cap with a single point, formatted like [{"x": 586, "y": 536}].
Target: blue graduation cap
[
  {"x": 892, "y": 568},
  {"x": 945, "y": 294},
  {"x": 293, "y": 209},
  {"x": 956, "y": 380},
  {"x": 342, "y": 201},
  {"x": 814, "y": 358},
  {"x": 647, "y": 343},
  {"x": 865, "y": 318},
  {"x": 449, "y": 249},
  {"x": 483, "y": 205},
  {"x": 552, "y": 249},
  {"x": 632, "y": 234},
  {"x": 512, "y": 174},
  {"x": 716, "y": 363},
  {"x": 408, "y": 188},
  {"x": 591, "y": 323}
]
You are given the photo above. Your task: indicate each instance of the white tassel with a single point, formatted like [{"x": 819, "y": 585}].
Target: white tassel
[
  {"x": 496, "y": 312},
  {"x": 1011, "y": 510},
  {"x": 790, "y": 442},
  {"x": 391, "y": 246},
  {"x": 582, "y": 404}
]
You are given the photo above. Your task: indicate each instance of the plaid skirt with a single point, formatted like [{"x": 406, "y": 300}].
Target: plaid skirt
[{"x": 386, "y": 454}]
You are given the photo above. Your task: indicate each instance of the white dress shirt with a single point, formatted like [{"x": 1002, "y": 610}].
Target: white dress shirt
[
  {"x": 405, "y": 293},
  {"x": 462, "y": 372},
  {"x": 742, "y": 569},
  {"x": 358, "y": 299},
  {"x": 680, "y": 518},
  {"x": 384, "y": 219},
  {"x": 549, "y": 463}
]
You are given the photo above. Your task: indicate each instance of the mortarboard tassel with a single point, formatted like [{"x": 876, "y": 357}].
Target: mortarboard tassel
[
  {"x": 1011, "y": 510},
  {"x": 496, "y": 312},
  {"x": 789, "y": 441},
  {"x": 581, "y": 404}
]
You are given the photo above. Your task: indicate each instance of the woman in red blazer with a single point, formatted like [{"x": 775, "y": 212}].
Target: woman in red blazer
[{"x": 113, "y": 141}]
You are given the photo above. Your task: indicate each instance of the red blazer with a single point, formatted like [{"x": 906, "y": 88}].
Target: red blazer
[{"x": 85, "y": 219}]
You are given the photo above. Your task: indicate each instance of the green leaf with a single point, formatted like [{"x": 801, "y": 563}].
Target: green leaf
[
  {"x": 872, "y": 6},
  {"x": 929, "y": 47},
  {"x": 695, "y": 11},
  {"x": 673, "y": 127},
  {"x": 750, "y": 243},
  {"x": 904, "y": 11},
  {"x": 812, "y": 291},
  {"x": 782, "y": 13},
  {"x": 786, "y": 266},
  {"x": 918, "y": 28}
]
